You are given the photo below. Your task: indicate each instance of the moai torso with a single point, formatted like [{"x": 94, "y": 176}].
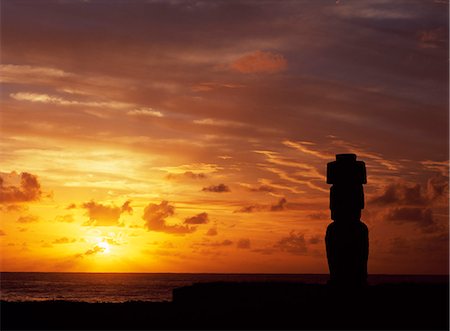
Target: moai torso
[{"x": 347, "y": 240}]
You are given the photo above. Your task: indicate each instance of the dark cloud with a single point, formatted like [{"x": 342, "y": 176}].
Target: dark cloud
[
  {"x": 71, "y": 206},
  {"x": 28, "y": 219},
  {"x": 95, "y": 250},
  {"x": 187, "y": 175},
  {"x": 212, "y": 232},
  {"x": 422, "y": 217},
  {"x": 2, "y": 233},
  {"x": 217, "y": 188},
  {"x": 28, "y": 189},
  {"x": 102, "y": 215},
  {"x": 295, "y": 243},
  {"x": 314, "y": 240},
  {"x": 201, "y": 218},
  {"x": 64, "y": 240},
  {"x": 281, "y": 205},
  {"x": 249, "y": 209},
  {"x": 319, "y": 216},
  {"x": 265, "y": 250},
  {"x": 223, "y": 243},
  {"x": 126, "y": 208},
  {"x": 432, "y": 245},
  {"x": 412, "y": 195},
  {"x": 155, "y": 219},
  {"x": 401, "y": 194},
  {"x": 243, "y": 243},
  {"x": 437, "y": 188},
  {"x": 263, "y": 188}
]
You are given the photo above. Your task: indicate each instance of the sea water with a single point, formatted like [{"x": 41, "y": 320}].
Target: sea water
[{"x": 121, "y": 287}]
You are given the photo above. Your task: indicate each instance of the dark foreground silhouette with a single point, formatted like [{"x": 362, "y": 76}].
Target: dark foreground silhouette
[
  {"x": 347, "y": 238},
  {"x": 249, "y": 306}
]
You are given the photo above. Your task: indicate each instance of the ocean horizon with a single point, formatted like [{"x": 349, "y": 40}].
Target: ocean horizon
[{"x": 152, "y": 287}]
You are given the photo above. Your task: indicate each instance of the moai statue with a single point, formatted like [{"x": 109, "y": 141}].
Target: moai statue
[{"x": 347, "y": 238}]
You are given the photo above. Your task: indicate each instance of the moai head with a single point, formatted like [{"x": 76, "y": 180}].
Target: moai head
[{"x": 346, "y": 195}]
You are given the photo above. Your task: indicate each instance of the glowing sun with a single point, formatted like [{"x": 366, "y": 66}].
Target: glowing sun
[{"x": 104, "y": 246}]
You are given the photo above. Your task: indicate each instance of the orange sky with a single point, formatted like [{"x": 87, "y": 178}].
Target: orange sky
[{"x": 193, "y": 136}]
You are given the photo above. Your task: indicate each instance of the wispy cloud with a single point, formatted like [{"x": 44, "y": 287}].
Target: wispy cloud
[
  {"x": 145, "y": 112},
  {"x": 259, "y": 62}
]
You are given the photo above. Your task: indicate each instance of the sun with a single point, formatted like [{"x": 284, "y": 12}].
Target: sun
[{"x": 104, "y": 246}]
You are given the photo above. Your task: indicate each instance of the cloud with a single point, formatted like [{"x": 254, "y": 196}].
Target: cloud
[
  {"x": 145, "y": 112},
  {"x": 12, "y": 73},
  {"x": 399, "y": 246},
  {"x": 201, "y": 218},
  {"x": 376, "y": 10},
  {"x": 64, "y": 240},
  {"x": 419, "y": 216},
  {"x": 319, "y": 216},
  {"x": 126, "y": 208},
  {"x": 65, "y": 218},
  {"x": 304, "y": 147},
  {"x": 95, "y": 250},
  {"x": 263, "y": 188},
  {"x": 259, "y": 62},
  {"x": 401, "y": 194},
  {"x": 56, "y": 100},
  {"x": 71, "y": 206},
  {"x": 218, "y": 122},
  {"x": 217, "y": 188},
  {"x": 13, "y": 208},
  {"x": 314, "y": 240},
  {"x": 212, "y": 232},
  {"x": 413, "y": 194},
  {"x": 295, "y": 244},
  {"x": 113, "y": 241},
  {"x": 28, "y": 189},
  {"x": 28, "y": 219},
  {"x": 209, "y": 86},
  {"x": 205, "y": 168},
  {"x": 2, "y": 233},
  {"x": 281, "y": 205},
  {"x": 243, "y": 243},
  {"x": 250, "y": 209},
  {"x": 155, "y": 219},
  {"x": 187, "y": 175},
  {"x": 102, "y": 215},
  {"x": 433, "y": 38},
  {"x": 437, "y": 188},
  {"x": 223, "y": 243},
  {"x": 434, "y": 244}
]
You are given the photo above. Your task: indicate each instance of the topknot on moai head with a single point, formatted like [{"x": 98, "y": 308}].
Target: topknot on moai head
[{"x": 346, "y": 170}]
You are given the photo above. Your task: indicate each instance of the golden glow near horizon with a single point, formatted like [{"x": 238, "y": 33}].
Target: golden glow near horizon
[{"x": 133, "y": 141}]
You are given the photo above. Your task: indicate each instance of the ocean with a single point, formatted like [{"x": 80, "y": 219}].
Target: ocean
[{"x": 121, "y": 287}]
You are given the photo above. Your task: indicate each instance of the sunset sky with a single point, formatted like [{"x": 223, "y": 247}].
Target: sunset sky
[{"x": 193, "y": 136}]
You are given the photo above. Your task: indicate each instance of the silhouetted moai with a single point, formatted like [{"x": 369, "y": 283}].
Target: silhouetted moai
[{"x": 347, "y": 238}]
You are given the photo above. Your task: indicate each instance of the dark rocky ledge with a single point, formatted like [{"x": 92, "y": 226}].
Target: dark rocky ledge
[{"x": 241, "y": 306}]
